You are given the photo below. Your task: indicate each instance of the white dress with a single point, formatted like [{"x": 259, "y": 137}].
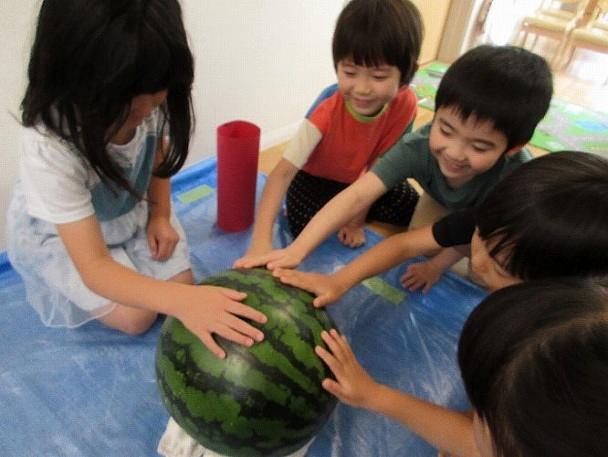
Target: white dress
[{"x": 55, "y": 186}]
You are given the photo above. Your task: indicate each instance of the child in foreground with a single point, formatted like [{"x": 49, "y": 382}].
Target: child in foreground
[
  {"x": 375, "y": 47},
  {"x": 546, "y": 219},
  {"x": 487, "y": 107},
  {"x": 534, "y": 361},
  {"x": 107, "y": 120}
]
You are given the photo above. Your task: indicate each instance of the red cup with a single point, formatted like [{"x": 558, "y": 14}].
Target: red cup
[{"x": 238, "y": 149}]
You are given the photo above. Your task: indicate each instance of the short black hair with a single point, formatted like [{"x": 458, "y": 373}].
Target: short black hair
[
  {"x": 549, "y": 217},
  {"x": 506, "y": 85},
  {"x": 376, "y": 32},
  {"x": 534, "y": 361},
  {"x": 91, "y": 57}
]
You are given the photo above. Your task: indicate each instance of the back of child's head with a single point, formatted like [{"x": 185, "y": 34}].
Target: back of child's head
[
  {"x": 534, "y": 360},
  {"x": 379, "y": 32},
  {"x": 91, "y": 57},
  {"x": 506, "y": 85},
  {"x": 549, "y": 217}
]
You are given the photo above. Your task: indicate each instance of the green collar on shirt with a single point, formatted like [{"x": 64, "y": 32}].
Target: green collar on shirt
[{"x": 361, "y": 117}]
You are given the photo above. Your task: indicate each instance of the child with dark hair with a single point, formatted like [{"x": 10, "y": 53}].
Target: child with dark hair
[
  {"x": 534, "y": 361},
  {"x": 487, "y": 106},
  {"x": 557, "y": 228},
  {"x": 376, "y": 44},
  {"x": 107, "y": 120},
  {"x": 545, "y": 219}
]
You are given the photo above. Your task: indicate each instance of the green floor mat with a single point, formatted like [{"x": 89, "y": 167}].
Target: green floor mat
[{"x": 566, "y": 125}]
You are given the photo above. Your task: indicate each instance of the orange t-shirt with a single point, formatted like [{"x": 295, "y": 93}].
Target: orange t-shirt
[{"x": 350, "y": 143}]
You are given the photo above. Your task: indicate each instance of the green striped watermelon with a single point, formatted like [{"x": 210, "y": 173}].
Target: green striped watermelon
[{"x": 265, "y": 400}]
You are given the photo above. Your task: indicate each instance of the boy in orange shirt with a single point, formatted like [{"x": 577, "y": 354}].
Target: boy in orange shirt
[{"x": 376, "y": 45}]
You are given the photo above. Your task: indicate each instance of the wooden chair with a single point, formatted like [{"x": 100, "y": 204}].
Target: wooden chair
[
  {"x": 554, "y": 19},
  {"x": 592, "y": 36}
]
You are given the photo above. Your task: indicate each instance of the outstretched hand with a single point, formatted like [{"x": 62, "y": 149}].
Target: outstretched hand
[
  {"x": 326, "y": 288},
  {"x": 420, "y": 275},
  {"x": 284, "y": 258},
  {"x": 352, "y": 384},
  {"x": 221, "y": 314}
]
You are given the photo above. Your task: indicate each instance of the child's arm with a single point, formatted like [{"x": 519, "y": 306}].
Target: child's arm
[
  {"x": 336, "y": 213},
  {"x": 445, "y": 429},
  {"x": 204, "y": 310},
  {"x": 162, "y": 237},
  {"x": 385, "y": 255},
  {"x": 278, "y": 182},
  {"x": 425, "y": 274}
]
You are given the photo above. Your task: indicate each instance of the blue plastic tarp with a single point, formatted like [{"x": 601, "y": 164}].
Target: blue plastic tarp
[{"x": 91, "y": 391}]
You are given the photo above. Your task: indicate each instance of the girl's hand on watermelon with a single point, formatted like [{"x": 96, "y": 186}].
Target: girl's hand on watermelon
[
  {"x": 325, "y": 287},
  {"x": 352, "y": 384},
  {"x": 220, "y": 315}
]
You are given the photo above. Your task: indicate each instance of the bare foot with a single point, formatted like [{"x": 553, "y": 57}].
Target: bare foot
[{"x": 352, "y": 236}]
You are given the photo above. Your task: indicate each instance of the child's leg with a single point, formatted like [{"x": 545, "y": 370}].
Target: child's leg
[
  {"x": 396, "y": 206},
  {"x": 132, "y": 321},
  {"x": 427, "y": 212},
  {"x": 306, "y": 195},
  {"x": 135, "y": 321}
]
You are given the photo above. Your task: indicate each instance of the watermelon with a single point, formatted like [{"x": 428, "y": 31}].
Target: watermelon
[{"x": 265, "y": 400}]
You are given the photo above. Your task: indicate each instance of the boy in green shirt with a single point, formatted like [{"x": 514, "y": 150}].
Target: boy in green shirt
[{"x": 487, "y": 107}]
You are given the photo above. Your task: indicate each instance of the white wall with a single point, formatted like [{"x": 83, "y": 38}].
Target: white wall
[
  {"x": 17, "y": 19},
  {"x": 260, "y": 60}
]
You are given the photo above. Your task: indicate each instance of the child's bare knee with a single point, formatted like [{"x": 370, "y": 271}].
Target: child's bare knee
[
  {"x": 139, "y": 325},
  {"x": 129, "y": 320}
]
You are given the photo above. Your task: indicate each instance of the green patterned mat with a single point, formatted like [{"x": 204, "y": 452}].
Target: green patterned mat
[{"x": 566, "y": 125}]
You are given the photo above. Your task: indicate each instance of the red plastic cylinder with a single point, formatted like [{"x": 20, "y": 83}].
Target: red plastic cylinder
[{"x": 238, "y": 149}]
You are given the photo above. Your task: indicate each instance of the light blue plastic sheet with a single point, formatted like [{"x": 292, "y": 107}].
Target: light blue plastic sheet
[{"x": 91, "y": 391}]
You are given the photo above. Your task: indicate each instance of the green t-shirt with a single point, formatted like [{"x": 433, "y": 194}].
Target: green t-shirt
[{"x": 411, "y": 157}]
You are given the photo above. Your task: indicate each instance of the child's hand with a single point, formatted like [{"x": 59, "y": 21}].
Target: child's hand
[
  {"x": 162, "y": 238},
  {"x": 207, "y": 309},
  {"x": 254, "y": 252},
  {"x": 352, "y": 236},
  {"x": 418, "y": 275},
  {"x": 352, "y": 384},
  {"x": 284, "y": 258},
  {"x": 324, "y": 287}
]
